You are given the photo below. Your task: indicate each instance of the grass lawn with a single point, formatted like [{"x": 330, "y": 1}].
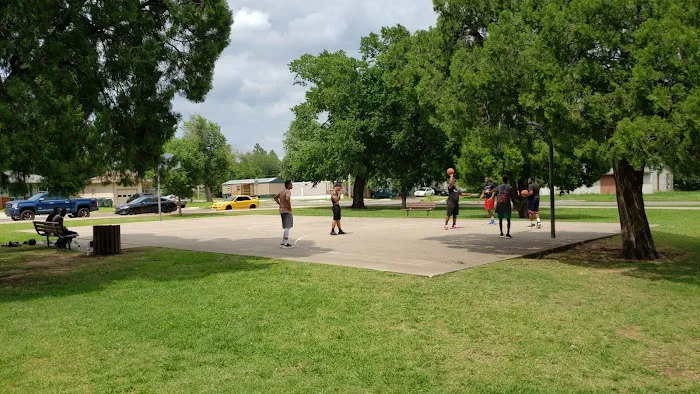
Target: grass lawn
[
  {"x": 159, "y": 320},
  {"x": 661, "y": 196}
]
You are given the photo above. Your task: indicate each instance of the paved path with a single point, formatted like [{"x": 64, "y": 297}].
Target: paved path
[{"x": 409, "y": 246}]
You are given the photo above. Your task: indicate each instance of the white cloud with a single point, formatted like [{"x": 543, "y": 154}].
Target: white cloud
[
  {"x": 246, "y": 19},
  {"x": 253, "y": 90}
]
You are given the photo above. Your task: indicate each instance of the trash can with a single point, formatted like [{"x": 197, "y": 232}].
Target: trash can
[
  {"x": 108, "y": 203},
  {"x": 106, "y": 239}
]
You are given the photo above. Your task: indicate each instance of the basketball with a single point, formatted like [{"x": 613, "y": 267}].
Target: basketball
[
  {"x": 524, "y": 193},
  {"x": 450, "y": 171}
]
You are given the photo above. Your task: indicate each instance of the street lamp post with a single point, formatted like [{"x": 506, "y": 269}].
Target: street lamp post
[{"x": 551, "y": 175}]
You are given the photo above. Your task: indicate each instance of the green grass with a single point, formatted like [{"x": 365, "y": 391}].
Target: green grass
[
  {"x": 158, "y": 320},
  {"x": 661, "y": 196}
]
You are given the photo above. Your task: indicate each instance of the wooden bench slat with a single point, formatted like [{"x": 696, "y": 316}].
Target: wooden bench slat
[{"x": 51, "y": 229}]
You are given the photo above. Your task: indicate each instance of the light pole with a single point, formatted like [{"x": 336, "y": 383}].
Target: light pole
[
  {"x": 551, "y": 174},
  {"x": 165, "y": 158}
]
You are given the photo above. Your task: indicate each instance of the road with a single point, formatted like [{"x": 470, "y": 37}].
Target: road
[{"x": 672, "y": 205}]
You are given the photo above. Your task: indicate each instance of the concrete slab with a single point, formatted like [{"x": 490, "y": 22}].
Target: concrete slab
[{"x": 409, "y": 246}]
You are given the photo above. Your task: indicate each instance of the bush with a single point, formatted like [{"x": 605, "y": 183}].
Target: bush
[{"x": 686, "y": 182}]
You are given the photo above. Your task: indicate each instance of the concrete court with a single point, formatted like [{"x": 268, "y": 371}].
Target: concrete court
[{"x": 409, "y": 246}]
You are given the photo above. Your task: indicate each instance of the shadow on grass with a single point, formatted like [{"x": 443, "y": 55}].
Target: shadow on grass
[
  {"x": 676, "y": 265},
  {"x": 34, "y": 272}
]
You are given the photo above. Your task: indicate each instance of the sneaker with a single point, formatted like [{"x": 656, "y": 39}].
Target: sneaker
[
  {"x": 493, "y": 223},
  {"x": 287, "y": 246},
  {"x": 341, "y": 232},
  {"x": 532, "y": 225},
  {"x": 502, "y": 235},
  {"x": 446, "y": 228},
  {"x": 454, "y": 227},
  {"x": 508, "y": 236},
  {"x": 333, "y": 232},
  {"x": 539, "y": 224}
]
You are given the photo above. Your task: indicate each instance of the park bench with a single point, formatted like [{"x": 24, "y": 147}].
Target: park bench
[
  {"x": 52, "y": 229},
  {"x": 419, "y": 206}
]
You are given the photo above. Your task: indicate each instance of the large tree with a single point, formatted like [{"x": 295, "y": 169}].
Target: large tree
[
  {"x": 418, "y": 151},
  {"x": 336, "y": 131},
  {"x": 257, "y": 163},
  {"x": 627, "y": 72},
  {"x": 615, "y": 80},
  {"x": 481, "y": 103},
  {"x": 215, "y": 152},
  {"x": 363, "y": 117},
  {"x": 87, "y": 86},
  {"x": 185, "y": 170}
]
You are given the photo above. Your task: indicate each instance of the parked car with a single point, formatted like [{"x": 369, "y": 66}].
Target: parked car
[
  {"x": 424, "y": 192},
  {"x": 44, "y": 203},
  {"x": 147, "y": 204},
  {"x": 237, "y": 202},
  {"x": 441, "y": 192},
  {"x": 383, "y": 193},
  {"x": 173, "y": 198},
  {"x": 139, "y": 195}
]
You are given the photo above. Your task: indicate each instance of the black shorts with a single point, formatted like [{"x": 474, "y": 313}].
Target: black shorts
[
  {"x": 452, "y": 210},
  {"x": 336, "y": 212},
  {"x": 287, "y": 220},
  {"x": 533, "y": 205}
]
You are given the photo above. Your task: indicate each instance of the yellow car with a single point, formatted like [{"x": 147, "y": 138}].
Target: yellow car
[{"x": 237, "y": 202}]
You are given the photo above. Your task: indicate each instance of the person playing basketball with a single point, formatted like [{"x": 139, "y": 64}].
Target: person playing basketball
[
  {"x": 284, "y": 200},
  {"x": 503, "y": 207},
  {"x": 489, "y": 197},
  {"x": 335, "y": 199},
  {"x": 533, "y": 201},
  {"x": 452, "y": 200}
]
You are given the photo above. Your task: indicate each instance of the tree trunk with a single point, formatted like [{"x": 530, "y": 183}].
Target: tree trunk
[
  {"x": 520, "y": 203},
  {"x": 210, "y": 197},
  {"x": 403, "y": 200},
  {"x": 637, "y": 242},
  {"x": 358, "y": 193}
]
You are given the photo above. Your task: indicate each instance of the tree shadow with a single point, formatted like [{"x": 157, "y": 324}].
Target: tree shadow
[
  {"x": 43, "y": 271},
  {"x": 526, "y": 244},
  {"x": 676, "y": 265}
]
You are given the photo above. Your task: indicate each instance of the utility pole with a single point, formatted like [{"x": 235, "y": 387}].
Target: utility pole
[{"x": 551, "y": 175}]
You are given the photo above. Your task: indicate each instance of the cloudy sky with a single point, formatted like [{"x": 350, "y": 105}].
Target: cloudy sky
[{"x": 253, "y": 91}]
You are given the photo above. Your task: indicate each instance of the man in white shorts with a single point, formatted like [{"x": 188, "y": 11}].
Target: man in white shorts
[{"x": 284, "y": 200}]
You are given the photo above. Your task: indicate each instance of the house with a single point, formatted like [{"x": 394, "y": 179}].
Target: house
[
  {"x": 33, "y": 183},
  {"x": 110, "y": 188},
  {"x": 107, "y": 187},
  {"x": 654, "y": 181},
  {"x": 323, "y": 189},
  {"x": 261, "y": 187}
]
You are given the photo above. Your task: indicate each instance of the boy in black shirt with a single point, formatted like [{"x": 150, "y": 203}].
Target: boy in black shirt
[
  {"x": 503, "y": 207},
  {"x": 452, "y": 203}
]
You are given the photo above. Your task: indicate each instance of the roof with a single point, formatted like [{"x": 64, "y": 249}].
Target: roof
[
  {"x": 252, "y": 181},
  {"x": 29, "y": 179}
]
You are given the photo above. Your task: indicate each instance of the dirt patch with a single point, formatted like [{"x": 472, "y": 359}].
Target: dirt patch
[
  {"x": 677, "y": 363},
  {"x": 607, "y": 253},
  {"x": 634, "y": 333},
  {"x": 38, "y": 263}
]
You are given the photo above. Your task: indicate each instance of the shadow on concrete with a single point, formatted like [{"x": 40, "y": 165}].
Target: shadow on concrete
[
  {"x": 529, "y": 243},
  {"x": 48, "y": 272},
  {"x": 258, "y": 246}
]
